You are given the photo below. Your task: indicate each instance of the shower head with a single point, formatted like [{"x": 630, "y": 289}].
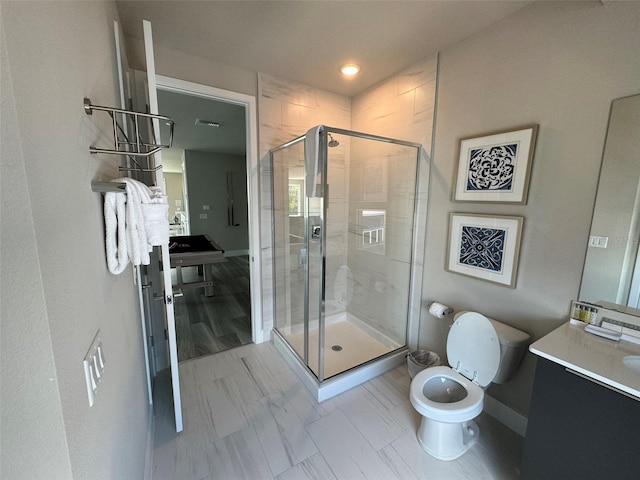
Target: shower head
[{"x": 333, "y": 142}]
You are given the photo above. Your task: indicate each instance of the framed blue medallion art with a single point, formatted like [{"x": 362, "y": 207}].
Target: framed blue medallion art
[
  {"x": 486, "y": 247},
  {"x": 496, "y": 167}
]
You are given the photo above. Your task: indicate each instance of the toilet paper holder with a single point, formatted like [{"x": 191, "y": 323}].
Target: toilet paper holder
[{"x": 439, "y": 310}]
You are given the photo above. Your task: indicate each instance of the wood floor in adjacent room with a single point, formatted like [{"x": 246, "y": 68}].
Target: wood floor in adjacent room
[
  {"x": 246, "y": 416},
  {"x": 208, "y": 325}
]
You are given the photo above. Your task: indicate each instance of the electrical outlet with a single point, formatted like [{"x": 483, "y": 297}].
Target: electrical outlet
[{"x": 94, "y": 363}]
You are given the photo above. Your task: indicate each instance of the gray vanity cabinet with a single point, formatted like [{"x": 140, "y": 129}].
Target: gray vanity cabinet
[{"x": 578, "y": 429}]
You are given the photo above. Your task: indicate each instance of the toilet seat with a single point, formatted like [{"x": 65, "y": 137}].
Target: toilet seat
[
  {"x": 473, "y": 348},
  {"x": 453, "y": 412}
]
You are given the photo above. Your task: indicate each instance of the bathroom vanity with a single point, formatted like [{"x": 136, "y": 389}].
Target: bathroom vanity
[{"x": 584, "y": 418}]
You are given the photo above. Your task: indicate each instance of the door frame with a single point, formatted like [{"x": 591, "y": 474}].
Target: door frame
[{"x": 253, "y": 170}]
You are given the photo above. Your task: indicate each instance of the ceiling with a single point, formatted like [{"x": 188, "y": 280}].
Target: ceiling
[
  {"x": 307, "y": 41},
  {"x": 301, "y": 41},
  {"x": 184, "y": 109}
]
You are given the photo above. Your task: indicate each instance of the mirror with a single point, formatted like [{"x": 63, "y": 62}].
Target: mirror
[{"x": 612, "y": 265}]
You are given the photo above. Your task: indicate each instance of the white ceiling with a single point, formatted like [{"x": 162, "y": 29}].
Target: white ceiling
[
  {"x": 302, "y": 41},
  {"x": 307, "y": 41},
  {"x": 184, "y": 109}
]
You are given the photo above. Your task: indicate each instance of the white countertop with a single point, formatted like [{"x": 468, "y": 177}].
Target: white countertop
[{"x": 596, "y": 357}]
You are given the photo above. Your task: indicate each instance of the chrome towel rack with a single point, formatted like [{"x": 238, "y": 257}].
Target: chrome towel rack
[
  {"x": 122, "y": 145},
  {"x": 104, "y": 187}
]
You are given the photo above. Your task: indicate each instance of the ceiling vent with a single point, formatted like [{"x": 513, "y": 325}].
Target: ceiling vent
[{"x": 208, "y": 123}]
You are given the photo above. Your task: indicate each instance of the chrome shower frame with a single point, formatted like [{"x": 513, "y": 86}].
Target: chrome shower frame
[{"x": 326, "y": 388}]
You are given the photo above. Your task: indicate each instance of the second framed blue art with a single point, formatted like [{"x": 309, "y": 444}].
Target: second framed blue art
[
  {"x": 496, "y": 167},
  {"x": 486, "y": 247}
]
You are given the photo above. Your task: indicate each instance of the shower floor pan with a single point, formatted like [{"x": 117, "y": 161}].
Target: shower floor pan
[{"x": 348, "y": 349}]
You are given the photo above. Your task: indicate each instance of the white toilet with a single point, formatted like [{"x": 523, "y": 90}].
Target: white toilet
[{"x": 480, "y": 351}]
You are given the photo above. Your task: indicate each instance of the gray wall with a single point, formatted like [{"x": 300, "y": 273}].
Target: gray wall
[
  {"x": 173, "y": 184},
  {"x": 207, "y": 185},
  {"x": 193, "y": 69},
  {"x": 56, "y": 291},
  {"x": 559, "y": 65}
]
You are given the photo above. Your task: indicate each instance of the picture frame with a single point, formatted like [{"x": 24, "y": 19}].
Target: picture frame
[
  {"x": 496, "y": 167},
  {"x": 486, "y": 247}
]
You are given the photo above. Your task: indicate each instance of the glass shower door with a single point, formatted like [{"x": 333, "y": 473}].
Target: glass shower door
[
  {"x": 289, "y": 249},
  {"x": 298, "y": 254}
]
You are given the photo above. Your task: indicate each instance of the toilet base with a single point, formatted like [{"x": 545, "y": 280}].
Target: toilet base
[{"x": 447, "y": 441}]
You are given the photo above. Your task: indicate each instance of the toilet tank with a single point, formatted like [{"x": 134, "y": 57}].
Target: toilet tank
[{"x": 513, "y": 344}]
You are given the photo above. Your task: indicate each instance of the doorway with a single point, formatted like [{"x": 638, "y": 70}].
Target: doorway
[{"x": 211, "y": 182}]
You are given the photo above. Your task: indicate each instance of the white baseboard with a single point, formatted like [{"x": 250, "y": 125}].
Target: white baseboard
[
  {"x": 506, "y": 415},
  {"x": 148, "y": 457}
]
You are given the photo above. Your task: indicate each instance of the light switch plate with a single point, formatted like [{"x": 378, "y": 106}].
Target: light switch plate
[
  {"x": 93, "y": 364},
  {"x": 598, "y": 242}
]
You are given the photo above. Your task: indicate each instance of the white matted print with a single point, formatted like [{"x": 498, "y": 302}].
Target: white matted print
[
  {"x": 485, "y": 247},
  {"x": 496, "y": 167}
]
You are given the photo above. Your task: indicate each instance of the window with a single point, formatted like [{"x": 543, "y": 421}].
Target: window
[
  {"x": 372, "y": 230},
  {"x": 296, "y": 205}
]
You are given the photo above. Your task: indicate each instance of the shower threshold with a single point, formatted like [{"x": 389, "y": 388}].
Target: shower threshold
[{"x": 341, "y": 382}]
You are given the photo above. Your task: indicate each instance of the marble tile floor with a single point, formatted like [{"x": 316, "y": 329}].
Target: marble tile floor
[
  {"x": 246, "y": 416},
  {"x": 207, "y": 325}
]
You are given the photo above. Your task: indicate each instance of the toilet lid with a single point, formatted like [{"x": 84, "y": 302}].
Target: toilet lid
[{"x": 473, "y": 348}]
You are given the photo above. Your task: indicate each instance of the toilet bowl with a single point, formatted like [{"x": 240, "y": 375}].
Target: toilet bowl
[{"x": 479, "y": 351}]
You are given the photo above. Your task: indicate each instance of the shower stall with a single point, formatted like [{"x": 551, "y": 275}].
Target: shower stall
[{"x": 344, "y": 241}]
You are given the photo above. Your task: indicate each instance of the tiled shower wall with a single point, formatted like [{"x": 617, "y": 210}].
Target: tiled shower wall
[
  {"x": 401, "y": 107},
  {"x": 287, "y": 110}
]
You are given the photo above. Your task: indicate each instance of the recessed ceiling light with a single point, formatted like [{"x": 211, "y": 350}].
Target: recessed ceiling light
[
  {"x": 208, "y": 123},
  {"x": 350, "y": 69}
]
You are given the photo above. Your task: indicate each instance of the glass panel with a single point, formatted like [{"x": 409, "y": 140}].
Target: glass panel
[
  {"x": 369, "y": 231},
  {"x": 288, "y": 244},
  {"x": 315, "y": 227},
  {"x": 342, "y": 259}
]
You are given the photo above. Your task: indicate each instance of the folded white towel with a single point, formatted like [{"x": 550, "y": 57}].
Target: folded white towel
[
  {"x": 156, "y": 223},
  {"x": 148, "y": 226},
  {"x": 136, "y": 234},
  {"x": 115, "y": 236},
  {"x": 312, "y": 163}
]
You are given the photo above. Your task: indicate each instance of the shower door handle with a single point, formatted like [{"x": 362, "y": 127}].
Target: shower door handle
[{"x": 302, "y": 256}]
